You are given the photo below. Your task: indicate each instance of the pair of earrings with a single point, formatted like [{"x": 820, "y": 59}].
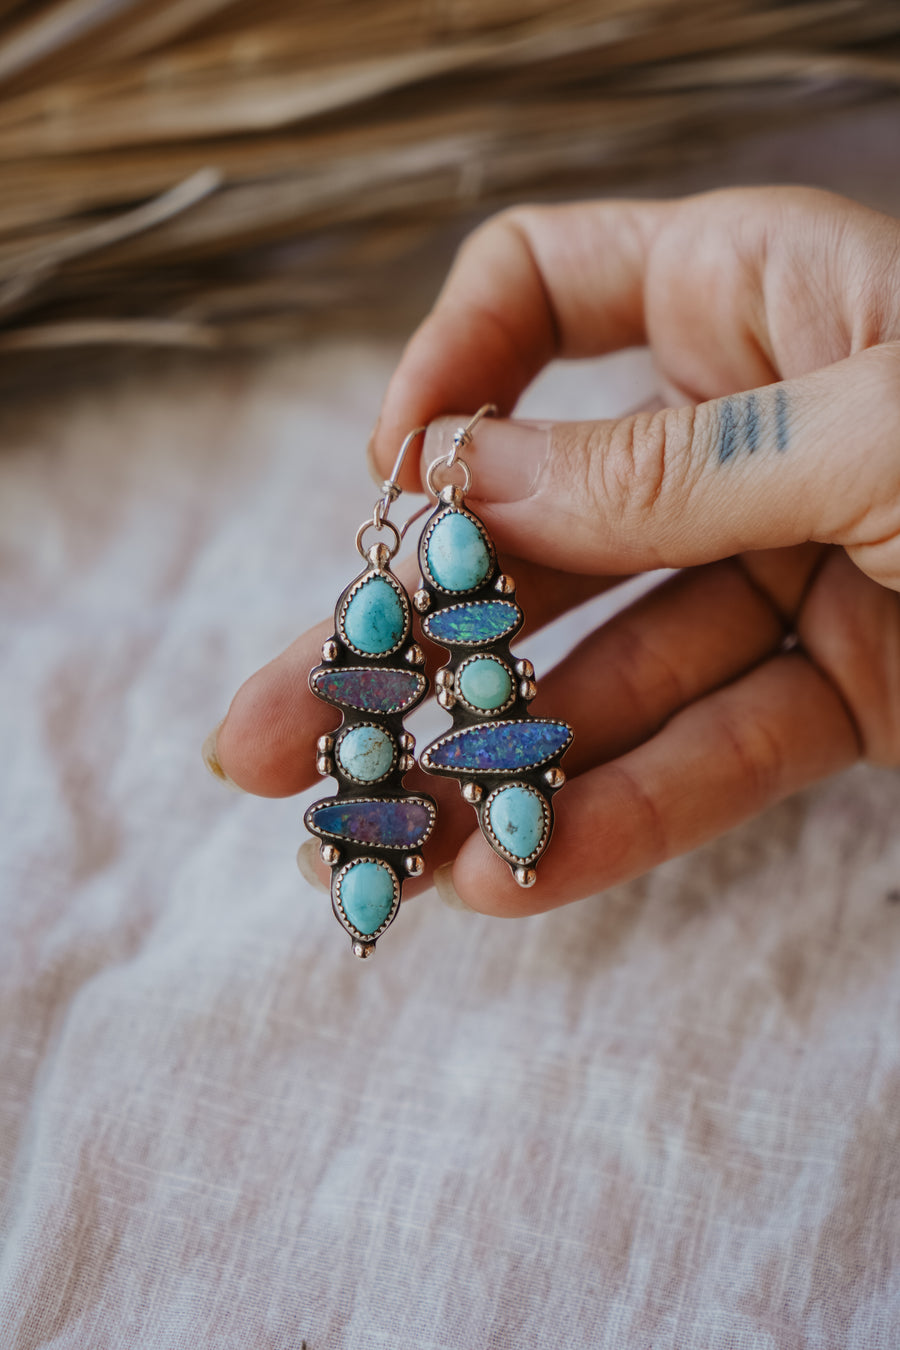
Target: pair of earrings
[{"x": 505, "y": 761}]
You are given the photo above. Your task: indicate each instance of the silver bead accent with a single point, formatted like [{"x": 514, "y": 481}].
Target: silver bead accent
[
  {"x": 528, "y": 689},
  {"x": 472, "y": 792},
  {"x": 446, "y": 698},
  {"x": 452, "y": 495},
  {"x": 525, "y": 876},
  {"x": 422, "y": 601},
  {"x": 525, "y": 669},
  {"x": 414, "y": 655},
  {"x": 329, "y": 854},
  {"x": 325, "y": 745},
  {"x": 504, "y": 584},
  {"x": 324, "y": 765},
  {"x": 407, "y": 741},
  {"x": 406, "y": 762},
  {"x": 414, "y": 864},
  {"x": 444, "y": 679},
  {"x": 554, "y": 778},
  {"x": 330, "y": 650},
  {"x": 379, "y": 555},
  {"x": 363, "y": 949}
]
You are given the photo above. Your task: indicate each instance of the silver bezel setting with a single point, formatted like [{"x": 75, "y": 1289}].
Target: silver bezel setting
[
  {"x": 428, "y": 764},
  {"x": 353, "y": 591},
  {"x": 468, "y": 642},
  {"x": 456, "y": 510},
  {"x": 309, "y": 821},
  {"x": 358, "y": 726},
  {"x": 339, "y": 907},
  {"x": 471, "y": 707},
  {"x": 516, "y": 859}
]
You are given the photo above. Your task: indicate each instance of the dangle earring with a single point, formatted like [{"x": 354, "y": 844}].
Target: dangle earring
[
  {"x": 506, "y": 761},
  {"x": 371, "y": 830}
]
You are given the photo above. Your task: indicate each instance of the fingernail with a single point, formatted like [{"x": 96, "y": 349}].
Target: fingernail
[
  {"x": 307, "y": 857},
  {"x": 447, "y": 892},
  {"x": 506, "y": 458},
  {"x": 210, "y": 755}
]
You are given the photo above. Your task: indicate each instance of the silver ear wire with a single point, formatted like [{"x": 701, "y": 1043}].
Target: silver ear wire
[
  {"x": 462, "y": 437},
  {"x": 390, "y": 491}
]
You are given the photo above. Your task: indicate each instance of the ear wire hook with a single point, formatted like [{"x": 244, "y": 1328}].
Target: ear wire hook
[
  {"x": 391, "y": 490},
  {"x": 462, "y": 437}
]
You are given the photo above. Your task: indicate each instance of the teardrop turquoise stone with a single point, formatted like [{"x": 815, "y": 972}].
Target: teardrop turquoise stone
[
  {"x": 458, "y": 557},
  {"x": 516, "y": 816},
  {"x": 485, "y": 683},
  {"x": 498, "y": 745},
  {"x": 367, "y": 895},
  {"x": 469, "y": 625},
  {"x": 366, "y": 753},
  {"x": 374, "y": 619}
]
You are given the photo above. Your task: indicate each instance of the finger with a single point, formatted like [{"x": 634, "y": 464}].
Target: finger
[
  {"x": 266, "y": 744},
  {"x": 715, "y": 764},
  {"x": 813, "y": 458}
]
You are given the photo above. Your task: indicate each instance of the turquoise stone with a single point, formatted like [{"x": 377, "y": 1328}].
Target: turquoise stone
[
  {"x": 485, "y": 683},
  {"x": 366, "y": 753},
  {"x": 472, "y": 624},
  {"x": 374, "y": 618},
  {"x": 387, "y": 822},
  {"x": 507, "y": 746},
  {"x": 367, "y": 895},
  {"x": 375, "y": 691},
  {"x": 458, "y": 556},
  {"x": 516, "y": 816}
]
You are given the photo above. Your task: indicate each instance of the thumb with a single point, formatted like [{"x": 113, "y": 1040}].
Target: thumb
[{"x": 814, "y": 458}]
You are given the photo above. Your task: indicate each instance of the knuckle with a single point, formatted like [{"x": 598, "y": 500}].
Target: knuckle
[
  {"x": 640, "y": 465},
  {"x": 757, "y": 756}
]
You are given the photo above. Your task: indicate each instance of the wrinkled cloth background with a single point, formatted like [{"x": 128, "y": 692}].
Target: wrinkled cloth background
[{"x": 668, "y": 1116}]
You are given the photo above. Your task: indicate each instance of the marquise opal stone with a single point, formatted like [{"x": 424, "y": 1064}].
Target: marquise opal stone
[
  {"x": 468, "y": 625},
  {"x": 404, "y": 822},
  {"x": 458, "y": 557},
  {"x": 498, "y": 745},
  {"x": 485, "y": 683},
  {"x": 366, "y": 753},
  {"x": 516, "y": 816},
  {"x": 382, "y": 691},
  {"x": 374, "y": 619},
  {"x": 367, "y": 894}
]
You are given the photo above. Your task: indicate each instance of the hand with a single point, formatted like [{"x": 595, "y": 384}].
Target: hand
[{"x": 782, "y": 505}]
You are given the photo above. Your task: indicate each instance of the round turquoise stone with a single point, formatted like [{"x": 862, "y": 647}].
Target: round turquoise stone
[
  {"x": 367, "y": 895},
  {"x": 458, "y": 557},
  {"x": 517, "y": 818},
  {"x": 485, "y": 683},
  {"x": 366, "y": 753},
  {"x": 374, "y": 617}
]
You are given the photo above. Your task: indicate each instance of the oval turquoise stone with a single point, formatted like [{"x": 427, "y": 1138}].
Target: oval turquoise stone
[
  {"x": 485, "y": 683},
  {"x": 367, "y": 895},
  {"x": 458, "y": 557},
  {"x": 516, "y": 815},
  {"x": 366, "y": 753},
  {"x": 374, "y": 618}
]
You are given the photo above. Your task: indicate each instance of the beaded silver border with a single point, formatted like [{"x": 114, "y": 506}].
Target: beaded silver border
[
  {"x": 482, "y": 530},
  {"x": 357, "y": 726},
  {"x": 467, "y": 642},
  {"x": 515, "y": 858},
  {"x": 323, "y": 671},
  {"x": 354, "y": 590},
  {"x": 426, "y": 761},
  {"x": 363, "y": 801},
  {"x": 501, "y": 707},
  {"x": 336, "y": 896}
]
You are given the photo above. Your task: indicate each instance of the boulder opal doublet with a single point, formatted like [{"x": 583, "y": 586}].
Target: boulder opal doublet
[{"x": 472, "y": 624}]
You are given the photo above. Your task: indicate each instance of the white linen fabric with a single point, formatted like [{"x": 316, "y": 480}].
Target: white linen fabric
[{"x": 666, "y": 1118}]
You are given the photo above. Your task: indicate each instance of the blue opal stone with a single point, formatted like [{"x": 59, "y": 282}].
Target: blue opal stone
[
  {"x": 506, "y": 746},
  {"x": 457, "y": 554},
  {"x": 485, "y": 683},
  {"x": 366, "y": 892},
  {"x": 374, "y": 619},
  {"x": 366, "y": 753},
  {"x": 389, "y": 822},
  {"x": 469, "y": 625},
  {"x": 381, "y": 691},
  {"x": 517, "y": 817}
]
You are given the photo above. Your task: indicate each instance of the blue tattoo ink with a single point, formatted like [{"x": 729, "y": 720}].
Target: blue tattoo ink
[
  {"x": 728, "y": 431},
  {"x": 751, "y": 416},
  {"x": 781, "y": 424}
]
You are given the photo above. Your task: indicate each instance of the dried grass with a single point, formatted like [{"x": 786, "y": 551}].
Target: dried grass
[{"x": 205, "y": 172}]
